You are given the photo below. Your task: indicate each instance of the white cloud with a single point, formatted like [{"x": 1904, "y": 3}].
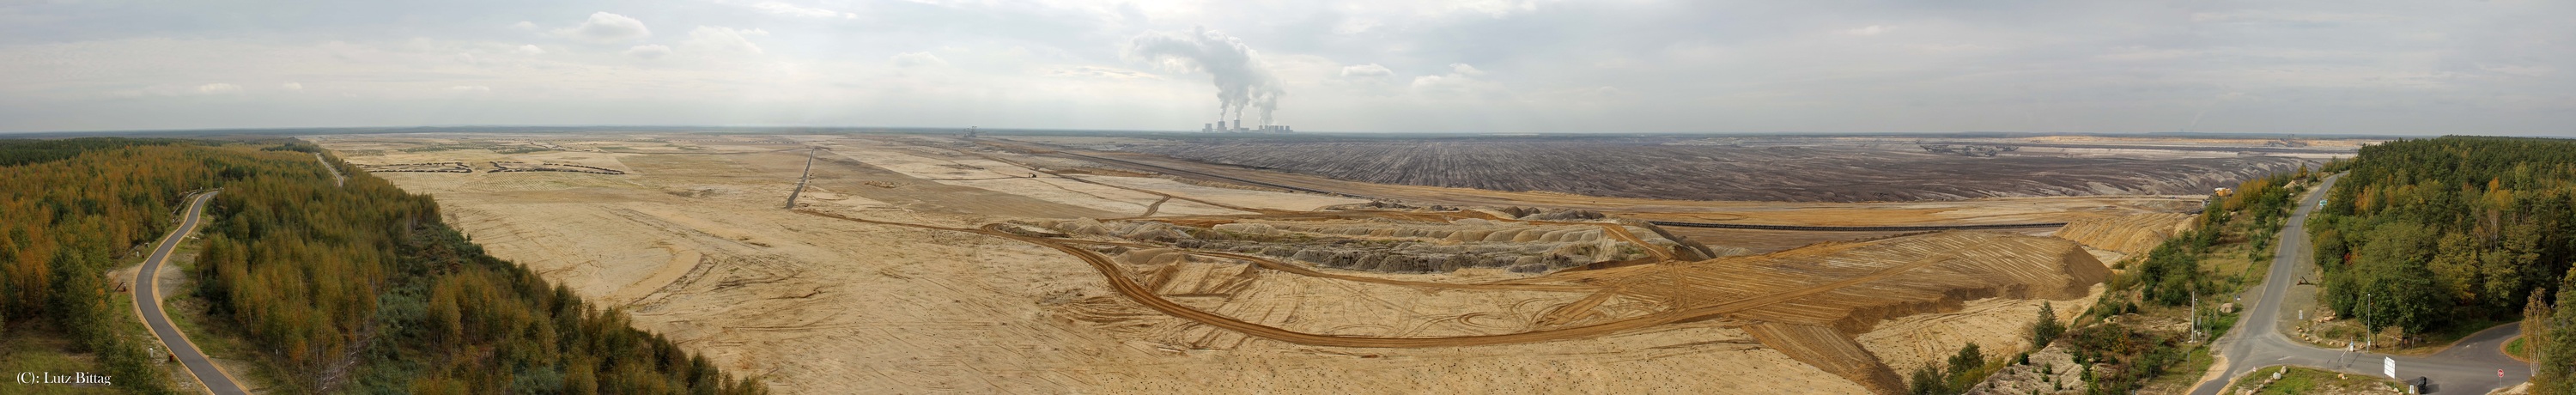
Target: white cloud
[
  {"x": 2273, "y": 16},
  {"x": 1367, "y": 70},
  {"x": 182, "y": 90},
  {"x": 649, "y": 51},
  {"x": 1946, "y": 47},
  {"x": 2519, "y": 70},
  {"x": 917, "y": 59},
  {"x": 605, "y": 27},
  {"x": 1101, "y": 72},
  {"x": 291, "y": 86},
  {"x": 218, "y": 89},
  {"x": 1355, "y": 26},
  {"x": 1497, "y": 8},
  {"x": 802, "y": 11},
  {"x": 1460, "y": 80},
  {"x": 530, "y": 49},
  {"x": 467, "y": 58},
  {"x": 1438, "y": 8},
  {"x": 1464, "y": 69},
  {"x": 2106, "y": 66},
  {"x": 723, "y": 39},
  {"x": 1430, "y": 82},
  {"x": 2136, "y": 53},
  {"x": 469, "y": 89}
]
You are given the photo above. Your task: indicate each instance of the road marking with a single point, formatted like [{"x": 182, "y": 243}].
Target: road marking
[{"x": 146, "y": 281}]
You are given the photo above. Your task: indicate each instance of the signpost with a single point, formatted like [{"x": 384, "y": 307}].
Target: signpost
[{"x": 2390, "y": 368}]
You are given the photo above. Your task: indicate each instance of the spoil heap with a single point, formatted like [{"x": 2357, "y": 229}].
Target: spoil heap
[
  {"x": 2128, "y": 234},
  {"x": 1390, "y": 245}
]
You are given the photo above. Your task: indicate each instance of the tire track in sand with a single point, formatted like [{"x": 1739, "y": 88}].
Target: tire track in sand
[{"x": 683, "y": 259}]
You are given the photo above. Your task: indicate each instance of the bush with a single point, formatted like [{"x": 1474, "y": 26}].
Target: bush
[
  {"x": 2047, "y": 329},
  {"x": 1969, "y": 358},
  {"x": 1928, "y": 380}
]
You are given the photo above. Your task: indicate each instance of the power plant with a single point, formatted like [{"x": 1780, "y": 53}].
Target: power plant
[{"x": 1237, "y": 127}]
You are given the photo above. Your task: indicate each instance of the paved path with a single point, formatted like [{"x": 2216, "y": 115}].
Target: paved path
[
  {"x": 337, "y": 179},
  {"x": 2468, "y": 367},
  {"x": 147, "y": 302}
]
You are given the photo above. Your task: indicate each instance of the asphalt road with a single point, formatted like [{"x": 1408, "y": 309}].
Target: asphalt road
[
  {"x": 337, "y": 179},
  {"x": 147, "y": 302},
  {"x": 2468, "y": 367}
]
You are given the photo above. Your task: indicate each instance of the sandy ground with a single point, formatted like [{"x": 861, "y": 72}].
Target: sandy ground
[{"x": 694, "y": 244}]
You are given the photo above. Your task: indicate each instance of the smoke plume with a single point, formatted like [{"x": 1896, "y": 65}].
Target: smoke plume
[{"x": 1241, "y": 82}]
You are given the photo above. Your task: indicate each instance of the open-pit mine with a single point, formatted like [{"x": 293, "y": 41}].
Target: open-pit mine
[{"x": 1144, "y": 263}]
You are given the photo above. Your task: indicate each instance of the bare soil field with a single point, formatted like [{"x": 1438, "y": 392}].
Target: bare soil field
[
  {"x": 1649, "y": 169},
  {"x": 917, "y": 264}
]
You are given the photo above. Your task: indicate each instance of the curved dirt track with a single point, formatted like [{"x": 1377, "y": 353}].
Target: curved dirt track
[{"x": 1143, "y": 295}]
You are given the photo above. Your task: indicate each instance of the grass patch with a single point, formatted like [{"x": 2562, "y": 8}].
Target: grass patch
[
  {"x": 2515, "y": 349},
  {"x": 28, "y": 349},
  {"x": 131, "y": 328},
  {"x": 2231, "y": 258},
  {"x": 2181, "y": 377},
  {"x": 2438, "y": 340},
  {"x": 2333, "y": 333},
  {"x": 2298, "y": 380}
]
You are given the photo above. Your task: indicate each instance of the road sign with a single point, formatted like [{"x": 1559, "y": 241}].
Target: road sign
[{"x": 2390, "y": 368}]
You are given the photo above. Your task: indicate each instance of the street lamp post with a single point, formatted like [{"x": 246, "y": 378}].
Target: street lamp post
[{"x": 2366, "y": 327}]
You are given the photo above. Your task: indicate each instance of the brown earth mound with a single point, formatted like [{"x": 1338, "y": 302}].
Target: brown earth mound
[
  {"x": 1812, "y": 300},
  {"x": 2130, "y": 234}
]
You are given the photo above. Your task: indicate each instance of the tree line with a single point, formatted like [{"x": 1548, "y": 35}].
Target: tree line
[{"x": 346, "y": 289}]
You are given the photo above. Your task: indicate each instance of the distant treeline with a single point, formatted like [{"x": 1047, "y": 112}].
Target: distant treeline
[
  {"x": 346, "y": 289},
  {"x": 15, "y": 152}
]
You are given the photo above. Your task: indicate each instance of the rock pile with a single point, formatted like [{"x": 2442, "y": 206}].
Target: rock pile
[{"x": 2050, "y": 371}]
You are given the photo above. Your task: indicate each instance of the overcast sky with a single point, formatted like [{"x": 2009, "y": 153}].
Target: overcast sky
[{"x": 2341, "y": 66}]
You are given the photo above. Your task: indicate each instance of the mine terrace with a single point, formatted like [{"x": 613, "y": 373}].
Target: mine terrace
[{"x": 1075, "y": 262}]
